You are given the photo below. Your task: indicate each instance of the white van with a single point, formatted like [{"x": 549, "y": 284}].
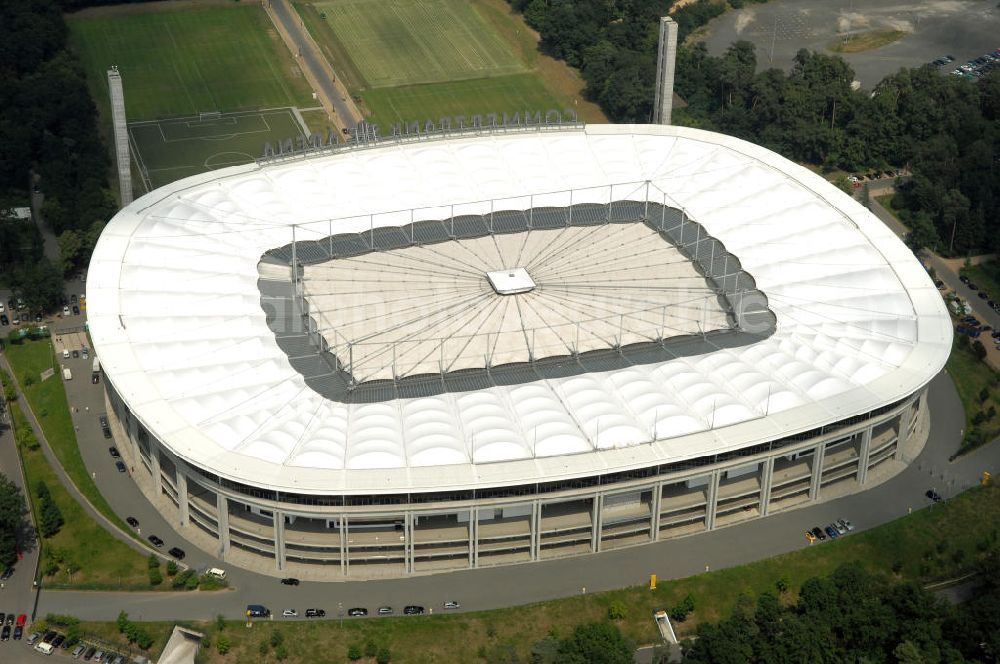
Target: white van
[
  {"x": 65, "y": 353},
  {"x": 44, "y": 648},
  {"x": 67, "y": 374},
  {"x": 216, "y": 572}
]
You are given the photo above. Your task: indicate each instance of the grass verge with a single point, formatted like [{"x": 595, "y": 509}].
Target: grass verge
[
  {"x": 975, "y": 379},
  {"x": 938, "y": 542},
  {"x": 986, "y": 276},
  {"x": 866, "y": 41},
  {"x": 48, "y": 402},
  {"x": 85, "y": 554}
]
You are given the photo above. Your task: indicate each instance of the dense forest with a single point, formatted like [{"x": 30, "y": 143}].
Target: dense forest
[
  {"x": 944, "y": 128},
  {"x": 48, "y": 129},
  {"x": 856, "y": 616}
]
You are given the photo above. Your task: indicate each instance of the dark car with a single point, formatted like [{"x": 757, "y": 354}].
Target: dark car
[
  {"x": 113, "y": 451},
  {"x": 972, "y": 286},
  {"x": 964, "y": 279},
  {"x": 107, "y": 432},
  {"x": 58, "y": 641},
  {"x": 933, "y": 495},
  {"x": 7, "y": 573},
  {"x": 18, "y": 633},
  {"x": 76, "y": 310},
  {"x": 357, "y": 611},
  {"x": 983, "y": 295},
  {"x": 4, "y": 320},
  {"x": 290, "y": 581},
  {"x": 10, "y": 620},
  {"x": 820, "y": 535},
  {"x": 157, "y": 542},
  {"x": 103, "y": 419},
  {"x": 132, "y": 521},
  {"x": 89, "y": 655},
  {"x": 315, "y": 613},
  {"x": 831, "y": 532},
  {"x": 76, "y": 353},
  {"x": 5, "y": 633},
  {"x": 49, "y": 636},
  {"x": 177, "y": 553},
  {"x": 413, "y": 610},
  {"x": 120, "y": 466}
]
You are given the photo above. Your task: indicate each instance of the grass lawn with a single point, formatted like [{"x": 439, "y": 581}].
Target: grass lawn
[
  {"x": 867, "y": 41},
  {"x": 187, "y": 60},
  {"x": 971, "y": 377},
  {"x": 510, "y": 94},
  {"x": 48, "y": 401},
  {"x": 922, "y": 546},
  {"x": 96, "y": 559},
  {"x": 986, "y": 276},
  {"x": 402, "y": 42}
]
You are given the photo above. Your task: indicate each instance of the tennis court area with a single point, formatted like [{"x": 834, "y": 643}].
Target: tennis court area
[{"x": 168, "y": 150}]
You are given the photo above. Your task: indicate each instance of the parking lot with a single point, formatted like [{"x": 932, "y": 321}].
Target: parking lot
[{"x": 963, "y": 29}]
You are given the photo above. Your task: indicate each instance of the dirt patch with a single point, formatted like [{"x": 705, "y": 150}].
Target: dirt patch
[{"x": 866, "y": 41}]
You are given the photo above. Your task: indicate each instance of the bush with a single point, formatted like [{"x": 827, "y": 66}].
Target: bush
[
  {"x": 263, "y": 647},
  {"x": 354, "y": 652},
  {"x": 155, "y": 577},
  {"x": 153, "y": 561},
  {"x": 370, "y": 648},
  {"x": 383, "y": 656},
  {"x": 181, "y": 580},
  {"x": 683, "y": 608},
  {"x": 171, "y": 568},
  {"x": 281, "y": 652},
  {"x": 191, "y": 583},
  {"x": 617, "y": 610},
  {"x": 209, "y": 582},
  {"x": 222, "y": 644},
  {"x": 277, "y": 638}
]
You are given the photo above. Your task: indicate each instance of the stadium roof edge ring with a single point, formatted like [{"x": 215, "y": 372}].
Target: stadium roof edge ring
[{"x": 175, "y": 294}]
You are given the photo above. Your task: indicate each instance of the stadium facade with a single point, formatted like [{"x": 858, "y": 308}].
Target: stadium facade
[{"x": 468, "y": 350}]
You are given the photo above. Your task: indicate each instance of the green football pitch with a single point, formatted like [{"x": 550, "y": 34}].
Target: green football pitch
[
  {"x": 168, "y": 150},
  {"x": 517, "y": 93},
  {"x": 180, "y": 62},
  {"x": 403, "y": 42}
]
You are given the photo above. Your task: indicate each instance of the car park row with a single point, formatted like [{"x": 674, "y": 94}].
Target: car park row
[
  {"x": 975, "y": 68},
  {"x": 833, "y": 530}
]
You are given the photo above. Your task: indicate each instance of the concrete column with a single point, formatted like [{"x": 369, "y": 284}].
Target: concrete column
[
  {"x": 180, "y": 481},
  {"x": 766, "y": 479},
  {"x": 665, "y": 62},
  {"x": 222, "y": 519},
  {"x": 154, "y": 463},
  {"x": 344, "y": 550},
  {"x": 596, "y": 523},
  {"x": 536, "y": 529},
  {"x": 279, "y": 540},
  {"x": 654, "y": 521},
  {"x": 408, "y": 542},
  {"x": 713, "y": 499},
  {"x": 474, "y": 538},
  {"x": 903, "y": 425},
  {"x": 863, "y": 456},
  {"x": 817, "y": 471}
]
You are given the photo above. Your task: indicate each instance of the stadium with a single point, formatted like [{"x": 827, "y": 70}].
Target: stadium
[{"x": 472, "y": 349}]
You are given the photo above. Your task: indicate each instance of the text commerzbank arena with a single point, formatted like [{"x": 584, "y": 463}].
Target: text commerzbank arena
[{"x": 475, "y": 349}]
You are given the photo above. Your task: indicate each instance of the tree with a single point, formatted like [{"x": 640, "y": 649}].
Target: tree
[
  {"x": 979, "y": 349},
  {"x": 595, "y": 643},
  {"x": 13, "y": 520},
  {"x": 70, "y": 247},
  {"x": 50, "y": 517},
  {"x": 222, "y": 644},
  {"x": 171, "y": 568}
]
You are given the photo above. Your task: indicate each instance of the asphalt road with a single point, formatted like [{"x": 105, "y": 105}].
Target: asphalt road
[
  {"x": 313, "y": 60},
  {"x": 520, "y": 584},
  {"x": 965, "y": 29}
]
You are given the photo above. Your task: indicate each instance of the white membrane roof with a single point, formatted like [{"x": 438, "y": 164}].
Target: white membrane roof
[
  {"x": 431, "y": 308},
  {"x": 175, "y": 315}
]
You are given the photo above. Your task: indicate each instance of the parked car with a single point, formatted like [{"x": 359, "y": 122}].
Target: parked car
[
  {"x": 315, "y": 613},
  {"x": 58, "y": 641},
  {"x": 103, "y": 420},
  {"x": 452, "y": 604},
  {"x": 933, "y": 495},
  {"x": 107, "y": 432},
  {"x": 7, "y": 573},
  {"x": 120, "y": 466},
  {"x": 290, "y": 613},
  {"x": 385, "y": 610},
  {"x": 65, "y": 311},
  {"x": 18, "y": 631},
  {"x": 848, "y": 526},
  {"x": 4, "y": 320},
  {"x": 32, "y": 638},
  {"x": 156, "y": 541},
  {"x": 49, "y": 636},
  {"x": 177, "y": 553},
  {"x": 113, "y": 451},
  {"x": 290, "y": 581},
  {"x": 810, "y": 537},
  {"x": 357, "y": 611},
  {"x": 76, "y": 310},
  {"x": 77, "y": 651},
  {"x": 132, "y": 521},
  {"x": 413, "y": 610},
  {"x": 818, "y": 533},
  {"x": 831, "y": 532}
]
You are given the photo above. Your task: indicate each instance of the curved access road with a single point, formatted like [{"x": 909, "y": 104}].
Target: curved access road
[{"x": 520, "y": 584}]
